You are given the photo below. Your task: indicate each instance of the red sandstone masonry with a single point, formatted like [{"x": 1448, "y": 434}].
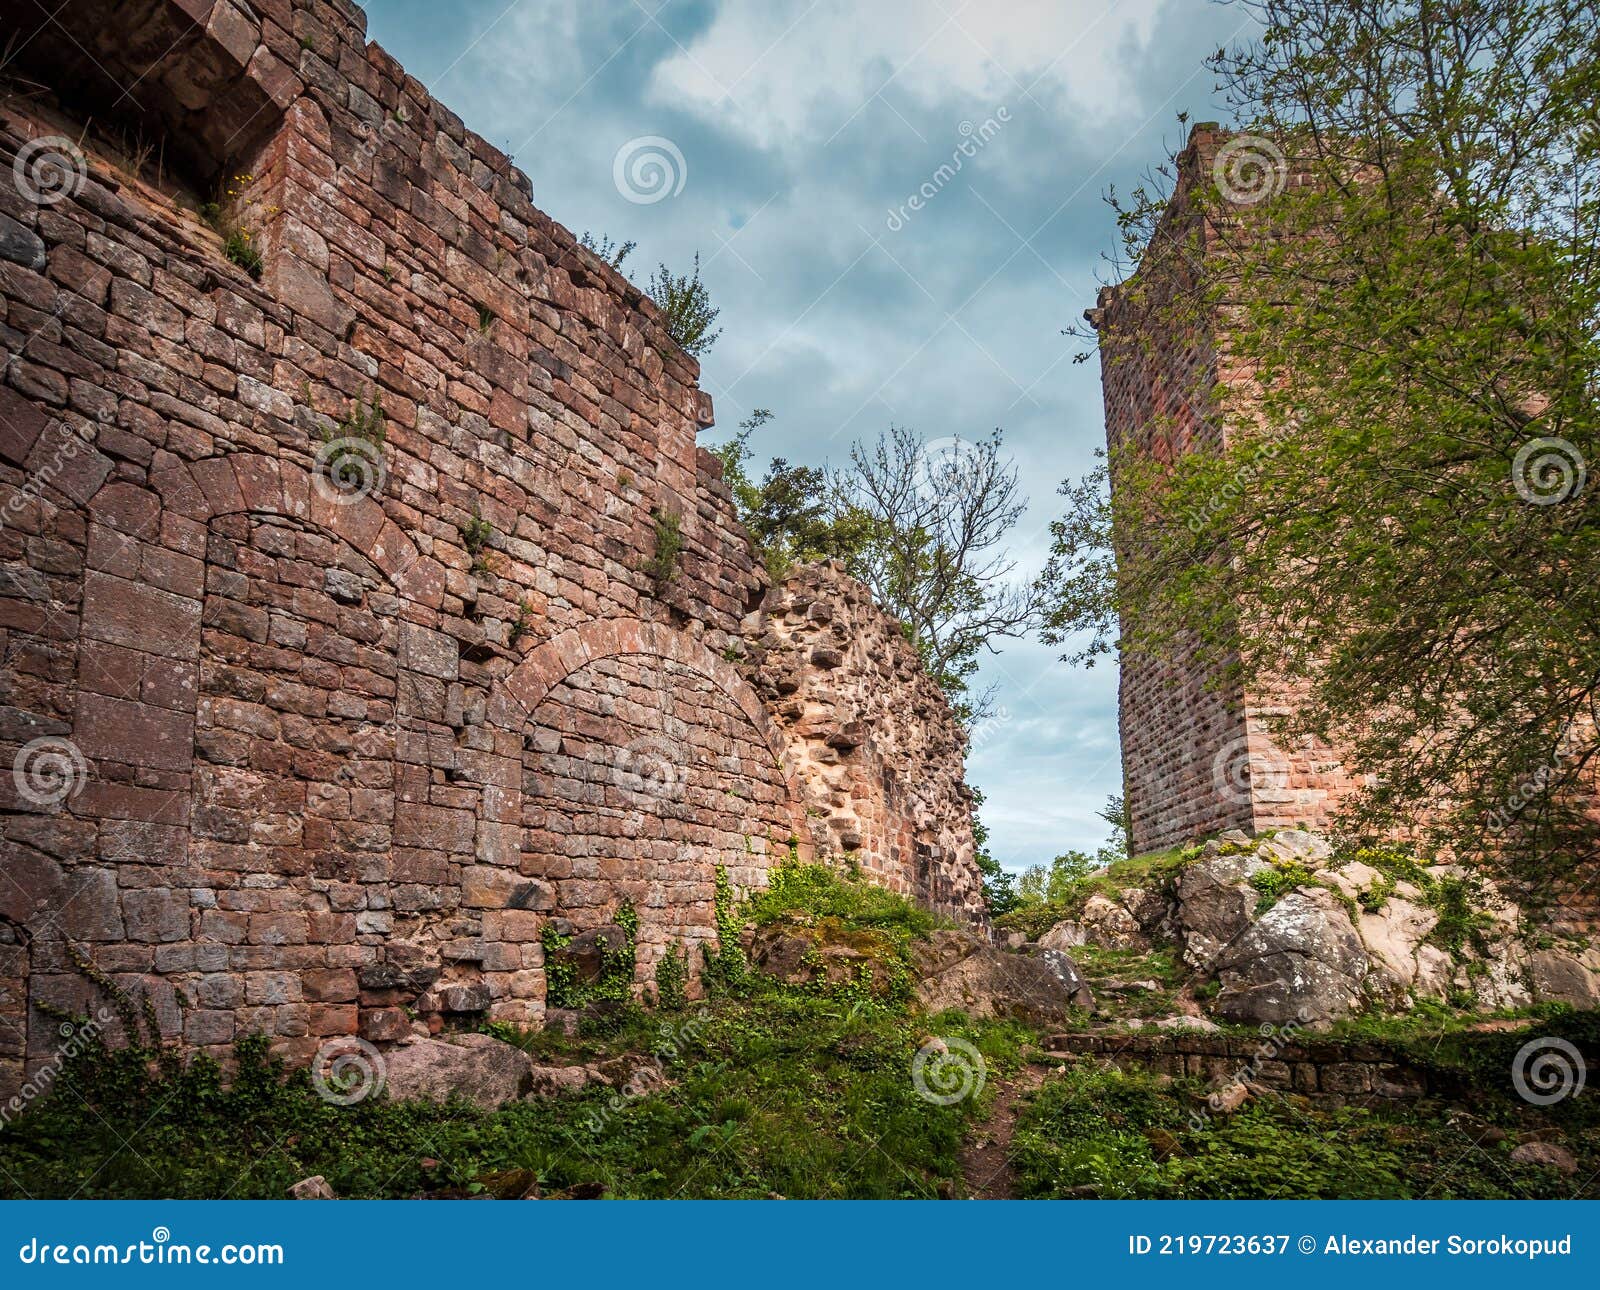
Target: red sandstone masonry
[
  {"x": 1198, "y": 755},
  {"x": 327, "y": 776}
]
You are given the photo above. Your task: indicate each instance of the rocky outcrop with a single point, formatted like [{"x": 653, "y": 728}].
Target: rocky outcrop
[
  {"x": 960, "y": 970},
  {"x": 476, "y": 1068},
  {"x": 1291, "y": 932}
]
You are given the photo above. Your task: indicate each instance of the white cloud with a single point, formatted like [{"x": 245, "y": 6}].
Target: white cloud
[{"x": 800, "y": 70}]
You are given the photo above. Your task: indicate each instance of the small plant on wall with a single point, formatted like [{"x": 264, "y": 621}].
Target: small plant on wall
[
  {"x": 238, "y": 242},
  {"x": 475, "y": 536},
  {"x": 663, "y": 565}
]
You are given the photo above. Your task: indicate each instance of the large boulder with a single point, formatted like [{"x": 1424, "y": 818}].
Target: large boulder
[
  {"x": 1301, "y": 961},
  {"x": 481, "y": 1069},
  {"x": 799, "y": 952},
  {"x": 1216, "y": 904},
  {"x": 1104, "y": 922},
  {"x": 956, "y": 969}
]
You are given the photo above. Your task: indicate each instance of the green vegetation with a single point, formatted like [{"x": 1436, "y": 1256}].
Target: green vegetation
[
  {"x": 1410, "y": 474},
  {"x": 1277, "y": 880},
  {"x": 564, "y": 989},
  {"x": 522, "y": 624},
  {"x": 686, "y": 308},
  {"x": 475, "y": 536},
  {"x": 662, "y": 567},
  {"x": 1108, "y": 1133},
  {"x": 349, "y": 464},
  {"x": 1064, "y": 898}
]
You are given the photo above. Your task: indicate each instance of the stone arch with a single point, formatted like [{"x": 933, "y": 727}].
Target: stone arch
[{"x": 590, "y": 826}]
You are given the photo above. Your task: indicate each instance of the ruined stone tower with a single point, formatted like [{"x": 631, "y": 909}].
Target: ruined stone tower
[
  {"x": 344, "y": 641},
  {"x": 1197, "y": 753}
]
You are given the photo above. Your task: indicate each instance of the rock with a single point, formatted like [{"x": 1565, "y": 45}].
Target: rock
[
  {"x": 1393, "y": 937},
  {"x": 956, "y": 969},
  {"x": 587, "y": 952},
  {"x": 1230, "y": 1098},
  {"x": 1301, "y": 961},
  {"x": 1108, "y": 924},
  {"x": 1065, "y": 935},
  {"x": 1296, "y": 846},
  {"x": 1204, "y": 1025},
  {"x": 480, "y": 1069},
  {"x": 312, "y": 1188},
  {"x": 1546, "y": 1155},
  {"x": 1215, "y": 904},
  {"x": 799, "y": 954},
  {"x": 551, "y": 1081},
  {"x": 1560, "y": 977},
  {"x": 1234, "y": 838}
]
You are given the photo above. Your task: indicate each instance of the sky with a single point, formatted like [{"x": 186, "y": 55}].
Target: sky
[{"x": 784, "y": 140}]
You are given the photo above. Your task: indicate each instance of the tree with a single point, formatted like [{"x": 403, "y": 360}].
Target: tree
[
  {"x": 1400, "y": 521},
  {"x": 999, "y": 886},
  {"x": 790, "y": 514},
  {"x": 686, "y": 308},
  {"x": 608, "y": 250},
  {"x": 940, "y": 515}
]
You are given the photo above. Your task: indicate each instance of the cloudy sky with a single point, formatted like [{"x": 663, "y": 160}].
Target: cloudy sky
[{"x": 795, "y": 133}]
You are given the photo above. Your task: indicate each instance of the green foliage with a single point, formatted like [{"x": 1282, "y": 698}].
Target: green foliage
[
  {"x": 475, "y": 536},
  {"x": 1129, "y": 1134},
  {"x": 686, "y": 308},
  {"x": 608, "y": 250},
  {"x": 238, "y": 246},
  {"x": 819, "y": 891},
  {"x": 486, "y": 319},
  {"x": 564, "y": 988},
  {"x": 790, "y": 515},
  {"x": 672, "y": 978},
  {"x": 347, "y": 464},
  {"x": 1276, "y": 881},
  {"x": 523, "y": 623},
  {"x": 999, "y": 886},
  {"x": 1403, "y": 504},
  {"x": 725, "y": 967},
  {"x": 662, "y": 567}
]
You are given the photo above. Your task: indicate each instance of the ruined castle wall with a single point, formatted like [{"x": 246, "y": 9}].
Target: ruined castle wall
[
  {"x": 1200, "y": 752},
  {"x": 871, "y": 743},
  {"x": 300, "y": 745}
]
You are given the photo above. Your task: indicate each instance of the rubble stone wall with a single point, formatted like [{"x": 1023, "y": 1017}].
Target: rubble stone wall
[{"x": 314, "y": 729}]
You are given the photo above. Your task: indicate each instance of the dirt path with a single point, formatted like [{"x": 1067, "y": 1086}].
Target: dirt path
[{"x": 986, "y": 1154}]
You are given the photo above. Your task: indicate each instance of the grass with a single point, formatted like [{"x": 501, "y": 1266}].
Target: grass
[
  {"x": 768, "y": 1090},
  {"x": 1131, "y": 1135},
  {"x": 1033, "y": 920}
]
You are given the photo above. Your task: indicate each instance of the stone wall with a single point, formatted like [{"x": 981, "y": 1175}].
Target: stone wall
[
  {"x": 1198, "y": 751},
  {"x": 310, "y": 730}
]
